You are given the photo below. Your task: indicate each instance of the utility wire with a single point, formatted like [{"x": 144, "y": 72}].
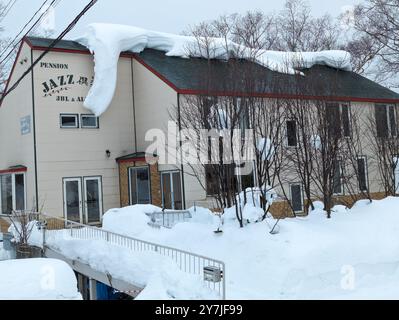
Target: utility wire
[
  {"x": 22, "y": 30},
  {"x": 52, "y": 45},
  {"x": 7, "y": 9}
]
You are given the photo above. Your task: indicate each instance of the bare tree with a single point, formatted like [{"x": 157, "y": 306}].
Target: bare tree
[
  {"x": 300, "y": 31},
  {"x": 376, "y": 38}
]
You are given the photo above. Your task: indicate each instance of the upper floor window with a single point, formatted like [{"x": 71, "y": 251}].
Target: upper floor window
[
  {"x": 69, "y": 121},
  {"x": 292, "y": 132},
  {"x": 89, "y": 121},
  {"x": 338, "y": 119},
  {"x": 385, "y": 117}
]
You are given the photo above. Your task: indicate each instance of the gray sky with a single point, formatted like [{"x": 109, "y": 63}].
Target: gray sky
[{"x": 168, "y": 15}]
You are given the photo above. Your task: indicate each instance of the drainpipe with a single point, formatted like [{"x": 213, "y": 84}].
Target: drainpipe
[{"x": 181, "y": 152}]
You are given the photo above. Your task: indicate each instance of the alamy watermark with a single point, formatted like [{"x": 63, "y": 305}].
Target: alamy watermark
[{"x": 202, "y": 146}]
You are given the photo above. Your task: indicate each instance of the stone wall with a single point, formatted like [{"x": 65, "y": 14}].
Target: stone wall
[{"x": 282, "y": 210}]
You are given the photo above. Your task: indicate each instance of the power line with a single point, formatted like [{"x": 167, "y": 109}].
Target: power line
[
  {"x": 52, "y": 45},
  {"x": 3, "y": 15},
  {"x": 54, "y": 3}
]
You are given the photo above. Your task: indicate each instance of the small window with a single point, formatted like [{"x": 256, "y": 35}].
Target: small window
[
  {"x": 69, "y": 121},
  {"x": 385, "y": 117},
  {"x": 296, "y": 198},
  {"x": 362, "y": 173},
  {"x": 337, "y": 181},
  {"x": 346, "y": 127},
  {"x": 89, "y": 121},
  {"x": 392, "y": 120},
  {"x": 292, "y": 133}
]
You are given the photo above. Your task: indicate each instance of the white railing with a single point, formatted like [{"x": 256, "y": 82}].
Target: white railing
[
  {"x": 169, "y": 218},
  {"x": 211, "y": 271}
]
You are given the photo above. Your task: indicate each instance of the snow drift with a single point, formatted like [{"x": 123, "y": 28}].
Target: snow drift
[
  {"x": 107, "y": 41},
  {"x": 37, "y": 279}
]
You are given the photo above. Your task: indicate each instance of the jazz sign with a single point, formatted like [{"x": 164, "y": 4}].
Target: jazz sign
[{"x": 60, "y": 86}]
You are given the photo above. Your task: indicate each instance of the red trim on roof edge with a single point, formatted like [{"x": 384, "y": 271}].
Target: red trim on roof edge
[
  {"x": 12, "y": 69},
  {"x": 284, "y": 96},
  {"x": 160, "y": 76},
  {"x": 16, "y": 170},
  {"x": 143, "y": 159},
  {"x": 217, "y": 93}
]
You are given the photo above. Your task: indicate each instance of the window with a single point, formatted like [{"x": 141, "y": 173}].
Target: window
[
  {"x": 139, "y": 180},
  {"x": 89, "y": 121},
  {"x": 69, "y": 121},
  {"x": 346, "y": 124},
  {"x": 12, "y": 193},
  {"x": 385, "y": 117},
  {"x": 333, "y": 120},
  {"x": 362, "y": 173},
  {"x": 338, "y": 119},
  {"x": 213, "y": 177},
  {"x": 19, "y": 192},
  {"x": 296, "y": 198},
  {"x": 292, "y": 138},
  {"x": 337, "y": 181}
]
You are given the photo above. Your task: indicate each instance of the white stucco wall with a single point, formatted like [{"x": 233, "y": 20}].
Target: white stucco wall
[{"x": 15, "y": 148}]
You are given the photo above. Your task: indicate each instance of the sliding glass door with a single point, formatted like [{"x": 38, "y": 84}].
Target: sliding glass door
[
  {"x": 73, "y": 199},
  {"x": 12, "y": 193},
  {"x": 83, "y": 199},
  {"x": 93, "y": 199},
  {"x": 6, "y": 194},
  {"x": 172, "y": 190}
]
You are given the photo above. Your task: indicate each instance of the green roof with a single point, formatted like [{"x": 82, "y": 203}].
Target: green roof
[{"x": 196, "y": 75}]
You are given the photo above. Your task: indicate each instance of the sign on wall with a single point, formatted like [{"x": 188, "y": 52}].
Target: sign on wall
[
  {"x": 25, "y": 125},
  {"x": 61, "y": 85}
]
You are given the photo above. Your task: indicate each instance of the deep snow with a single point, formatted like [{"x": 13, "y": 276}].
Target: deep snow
[
  {"x": 354, "y": 255},
  {"x": 37, "y": 279},
  {"x": 108, "y": 41}
]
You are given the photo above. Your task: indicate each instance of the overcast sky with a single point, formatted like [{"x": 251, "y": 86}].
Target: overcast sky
[{"x": 162, "y": 15}]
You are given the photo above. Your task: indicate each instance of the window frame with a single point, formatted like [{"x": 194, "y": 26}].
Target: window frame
[
  {"x": 302, "y": 197},
  {"x": 387, "y": 107},
  {"x": 13, "y": 191},
  {"x": 366, "y": 173},
  {"x": 341, "y": 128},
  {"x": 76, "y": 115},
  {"x": 92, "y": 116},
  {"x": 296, "y": 133},
  {"x": 341, "y": 178},
  {"x": 129, "y": 172}
]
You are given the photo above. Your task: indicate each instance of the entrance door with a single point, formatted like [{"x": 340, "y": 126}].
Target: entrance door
[
  {"x": 171, "y": 190},
  {"x": 139, "y": 180},
  {"x": 73, "y": 199},
  {"x": 93, "y": 199}
]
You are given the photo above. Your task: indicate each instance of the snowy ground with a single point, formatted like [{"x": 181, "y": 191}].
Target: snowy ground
[
  {"x": 38, "y": 279},
  {"x": 355, "y": 255}
]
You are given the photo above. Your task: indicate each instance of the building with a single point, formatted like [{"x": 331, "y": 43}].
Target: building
[{"x": 58, "y": 157}]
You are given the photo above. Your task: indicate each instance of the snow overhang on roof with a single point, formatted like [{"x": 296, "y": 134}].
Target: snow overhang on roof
[
  {"x": 108, "y": 41},
  {"x": 177, "y": 71}
]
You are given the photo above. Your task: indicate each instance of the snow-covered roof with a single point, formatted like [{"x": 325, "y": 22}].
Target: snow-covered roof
[
  {"x": 108, "y": 41},
  {"x": 326, "y": 74}
]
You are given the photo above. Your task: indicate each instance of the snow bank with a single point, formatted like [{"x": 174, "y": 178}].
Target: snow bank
[
  {"x": 37, "y": 279},
  {"x": 108, "y": 41},
  {"x": 310, "y": 258},
  {"x": 130, "y": 221}
]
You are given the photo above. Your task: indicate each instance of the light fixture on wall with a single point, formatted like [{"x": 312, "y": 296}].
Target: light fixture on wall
[{"x": 108, "y": 153}]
